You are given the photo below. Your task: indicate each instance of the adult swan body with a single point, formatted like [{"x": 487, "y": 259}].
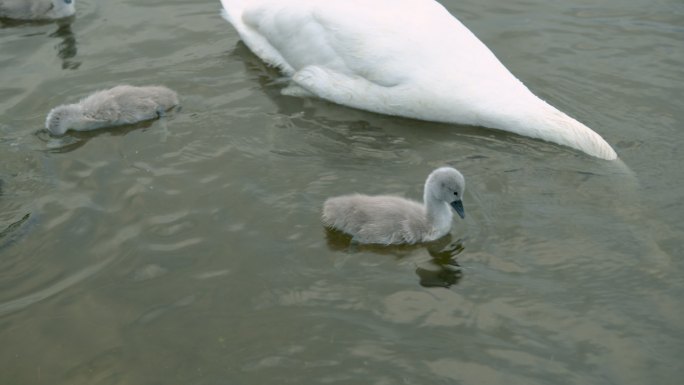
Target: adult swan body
[{"x": 408, "y": 58}]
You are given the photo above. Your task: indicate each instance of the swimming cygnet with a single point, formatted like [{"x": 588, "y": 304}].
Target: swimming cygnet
[
  {"x": 113, "y": 107},
  {"x": 387, "y": 219},
  {"x": 36, "y": 9}
]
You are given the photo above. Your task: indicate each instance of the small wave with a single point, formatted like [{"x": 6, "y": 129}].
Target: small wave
[{"x": 28, "y": 300}]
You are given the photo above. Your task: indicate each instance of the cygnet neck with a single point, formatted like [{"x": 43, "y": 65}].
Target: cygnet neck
[{"x": 438, "y": 211}]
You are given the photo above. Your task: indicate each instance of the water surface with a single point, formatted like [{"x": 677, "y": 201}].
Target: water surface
[{"x": 189, "y": 250}]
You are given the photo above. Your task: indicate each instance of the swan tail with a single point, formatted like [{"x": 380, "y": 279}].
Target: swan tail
[
  {"x": 538, "y": 119},
  {"x": 575, "y": 134},
  {"x": 597, "y": 146}
]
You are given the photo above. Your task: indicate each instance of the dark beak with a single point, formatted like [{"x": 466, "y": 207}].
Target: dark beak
[{"x": 458, "y": 206}]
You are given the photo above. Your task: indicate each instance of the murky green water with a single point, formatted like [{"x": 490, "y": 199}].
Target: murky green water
[{"x": 189, "y": 250}]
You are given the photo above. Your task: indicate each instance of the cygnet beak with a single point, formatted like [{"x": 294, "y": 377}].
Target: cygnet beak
[
  {"x": 67, "y": 1},
  {"x": 458, "y": 206}
]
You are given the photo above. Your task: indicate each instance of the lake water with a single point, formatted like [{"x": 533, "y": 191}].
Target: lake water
[{"x": 189, "y": 250}]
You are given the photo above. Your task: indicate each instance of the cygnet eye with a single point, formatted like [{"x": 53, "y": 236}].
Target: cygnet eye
[{"x": 455, "y": 193}]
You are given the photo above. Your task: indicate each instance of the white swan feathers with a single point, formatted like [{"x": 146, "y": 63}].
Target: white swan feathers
[
  {"x": 36, "y": 9},
  {"x": 408, "y": 58},
  {"x": 116, "y": 106},
  {"x": 388, "y": 219}
]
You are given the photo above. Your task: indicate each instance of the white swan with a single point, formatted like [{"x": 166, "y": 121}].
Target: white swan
[
  {"x": 387, "y": 219},
  {"x": 408, "y": 58},
  {"x": 36, "y": 9},
  {"x": 116, "y": 106}
]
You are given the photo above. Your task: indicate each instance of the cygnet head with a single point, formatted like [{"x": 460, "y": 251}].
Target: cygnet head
[
  {"x": 61, "y": 118},
  {"x": 62, "y": 8},
  {"x": 446, "y": 184}
]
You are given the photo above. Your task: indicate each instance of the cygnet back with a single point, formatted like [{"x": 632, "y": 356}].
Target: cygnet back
[
  {"x": 120, "y": 105},
  {"x": 387, "y": 219}
]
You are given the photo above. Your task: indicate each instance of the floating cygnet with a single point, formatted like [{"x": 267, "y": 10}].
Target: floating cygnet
[
  {"x": 408, "y": 58},
  {"x": 36, "y": 9},
  {"x": 387, "y": 219},
  {"x": 113, "y": 107}
]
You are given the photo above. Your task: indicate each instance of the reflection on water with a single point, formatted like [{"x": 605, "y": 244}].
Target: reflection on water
[
  {"x": 441, "y": 270},
  {"x": 73, "y": 140},
  {"x": 66, "y": 49}
]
